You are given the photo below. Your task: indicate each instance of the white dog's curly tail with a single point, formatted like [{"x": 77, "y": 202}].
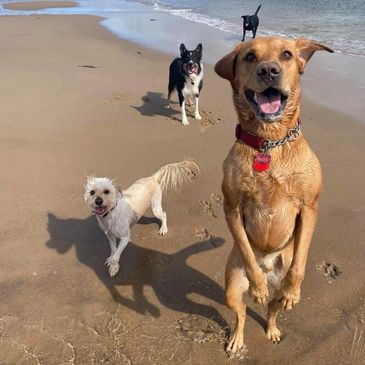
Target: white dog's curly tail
[{"x": 174, "y": 175}]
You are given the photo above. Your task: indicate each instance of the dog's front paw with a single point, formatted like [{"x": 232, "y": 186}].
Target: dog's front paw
[
  {"x": 185, "y": 121},
  {"x": 236, "y": 346},
  {"x": 259, "y": 293},
  {"x": 113, "y": 266},
  {"x": 197, "y": 116},
  {"x": 290, "y": 295},
  {"x": 163, "y": 231}
]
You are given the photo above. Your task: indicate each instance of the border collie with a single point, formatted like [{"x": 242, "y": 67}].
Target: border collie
[{"x": 186, "y": 76}]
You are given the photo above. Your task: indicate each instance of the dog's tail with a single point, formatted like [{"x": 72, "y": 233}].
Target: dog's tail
[
  {"x": 174, "y": 175},
  {"x": 258, "y": 9}
]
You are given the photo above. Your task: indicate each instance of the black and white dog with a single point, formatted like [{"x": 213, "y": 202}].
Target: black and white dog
[
  {"x": 186, "y": 76},
  {"x": 250, "y": 22}
]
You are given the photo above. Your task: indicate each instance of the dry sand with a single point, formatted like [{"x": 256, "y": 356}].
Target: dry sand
[{"x": 61, "y": 121}]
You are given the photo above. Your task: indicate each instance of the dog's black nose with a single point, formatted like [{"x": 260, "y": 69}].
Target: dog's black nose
[
  {"x": 268, "y": 71},
  {"x": 98, "y": 201}
]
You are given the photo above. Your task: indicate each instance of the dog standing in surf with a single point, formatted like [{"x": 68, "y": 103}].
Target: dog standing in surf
[{"x": 250, "y": 22}]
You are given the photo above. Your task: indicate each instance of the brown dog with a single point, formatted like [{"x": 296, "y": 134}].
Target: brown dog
[{"x": 272, "y": 179}]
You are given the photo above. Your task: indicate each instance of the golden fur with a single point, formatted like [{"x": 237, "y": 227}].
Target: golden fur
[{"x": 271, "y": 214}]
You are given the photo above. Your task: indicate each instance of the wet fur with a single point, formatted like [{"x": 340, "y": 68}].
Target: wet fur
[
  {"x": 271, "y": 214},
  {"x": 250, "y": 22},
  {"x": 124, "y": 208}
]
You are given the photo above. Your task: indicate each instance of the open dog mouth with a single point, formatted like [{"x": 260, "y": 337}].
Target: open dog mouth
[
  {"x": 192, "y": 69},
  {"x": 99, "y": 210},
  {"x": 268, "y": 104}
]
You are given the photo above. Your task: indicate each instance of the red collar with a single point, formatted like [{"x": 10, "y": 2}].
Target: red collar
[{"x": 264, "y": 144}]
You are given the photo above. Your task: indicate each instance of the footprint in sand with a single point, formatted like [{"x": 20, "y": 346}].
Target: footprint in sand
[
  {"x": 117, "y": 98},
  {"x": 202, "y": 233},
  {"x": 216, "y": 198},
  {"x": 208, "y": 119},
  {"x": 207, "y": 208},
  {"x": 200, "y": 329},
  {"x": 330, "y": 270}
]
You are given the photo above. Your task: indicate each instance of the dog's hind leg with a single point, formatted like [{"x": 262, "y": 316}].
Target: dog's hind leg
[
  {"x": 184, "y": 119},
  {"x": 254, "y": 33},
  {"x": 171, "y": 88},
  {"x": 236, "y": 284},
  {"x": 156, "y": 206},
  {"x": 275, "y": 306}
]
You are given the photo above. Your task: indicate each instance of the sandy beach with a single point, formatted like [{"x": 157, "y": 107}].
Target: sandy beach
[
  {"x": 76, "y": 100},
  {"x": 39, "y": 5}
]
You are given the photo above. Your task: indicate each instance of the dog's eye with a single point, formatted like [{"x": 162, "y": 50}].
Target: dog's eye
[
  {"x": 106, "y": 191},
  {"x": 250, "y": 57},
  {"x": 92, "y": 192},
  {"x": 287, "y": 55}
]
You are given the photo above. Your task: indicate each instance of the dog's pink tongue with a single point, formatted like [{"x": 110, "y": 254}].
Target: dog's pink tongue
[
  {"x": 193, "y": 70},
  {"x": 268, "y": 104},
  {"x": 99, "y": 210}
]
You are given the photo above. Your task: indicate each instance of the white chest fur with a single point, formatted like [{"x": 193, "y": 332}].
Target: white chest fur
[{"x": 192, "y": 82}]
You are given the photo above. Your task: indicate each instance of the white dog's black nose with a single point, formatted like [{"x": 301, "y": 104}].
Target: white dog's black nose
[{"x": 98, "y": 201}]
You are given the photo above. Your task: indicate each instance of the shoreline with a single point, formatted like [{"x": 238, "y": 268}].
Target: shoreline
[
  {"x": 62, "y": 121},
  {"x": 328, "y": 77},
  {"x": 39, "y": 5}
]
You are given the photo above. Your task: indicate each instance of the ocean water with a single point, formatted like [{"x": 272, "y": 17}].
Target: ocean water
[
  {"x": 338, "y": 24},
  {"x": 335, "y": 80}
]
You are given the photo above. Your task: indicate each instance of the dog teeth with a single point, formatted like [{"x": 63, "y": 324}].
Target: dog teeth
[{"x": 255, "y": 97}]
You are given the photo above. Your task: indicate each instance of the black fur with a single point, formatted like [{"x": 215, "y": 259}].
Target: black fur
[
  {"x": 179, "y": 70},
  {"x": 250, "y": 22}
]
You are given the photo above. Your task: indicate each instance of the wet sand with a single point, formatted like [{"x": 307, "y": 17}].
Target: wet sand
[
  {"x": 38, "y": 5},
  {"x": 75, "y": 100}
]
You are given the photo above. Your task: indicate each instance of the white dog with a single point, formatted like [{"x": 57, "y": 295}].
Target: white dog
[{"x": 117, "y": 211}]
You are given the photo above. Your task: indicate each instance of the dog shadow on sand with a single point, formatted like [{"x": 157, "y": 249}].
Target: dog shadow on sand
[
  {"x": 154, "y": 103},
  {"x": 169, "y": 275}
]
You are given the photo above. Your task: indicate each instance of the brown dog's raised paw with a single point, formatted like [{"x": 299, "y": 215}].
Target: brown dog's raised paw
[
  {"x": 259, "y": 293},
  {"x": 290, "y": 295}
]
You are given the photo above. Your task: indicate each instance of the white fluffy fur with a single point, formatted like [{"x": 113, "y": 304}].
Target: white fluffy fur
[{"x": 120, "y": 210}]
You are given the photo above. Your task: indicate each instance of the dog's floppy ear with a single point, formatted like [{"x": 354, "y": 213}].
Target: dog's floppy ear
[
  {"x": 199, "y": 48},
  {"x": 305, "y": 50},
  {"x": 89, "y": 180},
  {"x": 226, "y": 67},
  {"x": 182, "y": 49}
]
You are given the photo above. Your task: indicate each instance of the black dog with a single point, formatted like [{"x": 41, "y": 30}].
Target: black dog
[
  {"x": 186, "y": 76},
  {"x": 250, "y": 22}
]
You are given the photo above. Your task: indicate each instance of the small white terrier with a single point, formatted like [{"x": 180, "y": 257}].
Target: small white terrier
[{"x": 117, "y": 211}]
